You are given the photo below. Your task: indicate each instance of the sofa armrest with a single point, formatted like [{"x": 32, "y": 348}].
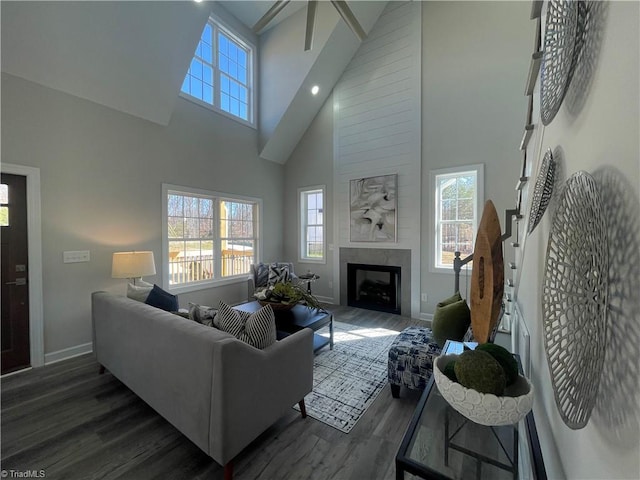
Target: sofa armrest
[{"x": 253, "y": 388}]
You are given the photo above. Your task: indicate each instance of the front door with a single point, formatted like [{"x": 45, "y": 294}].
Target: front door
[{"x": 15, "y": 272}]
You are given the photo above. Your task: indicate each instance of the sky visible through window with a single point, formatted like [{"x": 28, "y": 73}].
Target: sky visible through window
[{"x": 219, "y": 74}]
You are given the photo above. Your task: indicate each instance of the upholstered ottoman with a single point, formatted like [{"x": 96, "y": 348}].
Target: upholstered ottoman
[{"x": 411, "y": 358}]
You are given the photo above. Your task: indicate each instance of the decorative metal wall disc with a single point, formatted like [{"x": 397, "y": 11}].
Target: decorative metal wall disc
[
  {"x": 542, "y": 190},
  {"x": 574, "y": 299},
  {"x": 558, "y": 58}
]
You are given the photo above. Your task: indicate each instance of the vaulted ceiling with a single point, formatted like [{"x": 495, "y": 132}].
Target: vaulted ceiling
[{"x": 133, "y": 56}]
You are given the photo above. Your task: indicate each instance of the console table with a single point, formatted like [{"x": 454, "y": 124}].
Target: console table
[{"x": 442, "y": 444}]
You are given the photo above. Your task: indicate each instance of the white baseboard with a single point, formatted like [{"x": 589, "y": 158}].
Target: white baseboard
[
  {"x": 67, "y": 353},
  {"x": 427, "y": 317}
]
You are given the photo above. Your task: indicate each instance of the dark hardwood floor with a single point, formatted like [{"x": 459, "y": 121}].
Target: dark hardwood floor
[{"x": 71, "y": 423}]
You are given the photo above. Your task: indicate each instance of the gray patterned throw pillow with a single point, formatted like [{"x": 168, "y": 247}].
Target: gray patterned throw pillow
[
  {"x": 203, "y": 314},
  {"x": 278, "y": 274}
]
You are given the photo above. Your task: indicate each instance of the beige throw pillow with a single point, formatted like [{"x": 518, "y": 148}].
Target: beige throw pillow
[{"x": 139, "y": 292}]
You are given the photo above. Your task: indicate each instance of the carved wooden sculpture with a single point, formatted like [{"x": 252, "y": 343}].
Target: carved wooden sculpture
[{"x": 487, "y": 275}]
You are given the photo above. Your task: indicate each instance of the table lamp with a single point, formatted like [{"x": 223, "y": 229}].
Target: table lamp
[{"x": 132, "y": 265}]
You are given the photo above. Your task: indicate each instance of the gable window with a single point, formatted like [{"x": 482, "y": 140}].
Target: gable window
[
  {"x": 221, "y": 73},
  {"x": 312, "y": 237},
  {"x": 458, "y": 199},
  {"x": 207, "y": 237}
]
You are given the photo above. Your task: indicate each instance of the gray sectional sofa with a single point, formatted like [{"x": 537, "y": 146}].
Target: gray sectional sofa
[{"x": 220, "y": 392}]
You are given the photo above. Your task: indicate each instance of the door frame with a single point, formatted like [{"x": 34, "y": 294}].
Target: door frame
[{"x": 34, "y": 233}]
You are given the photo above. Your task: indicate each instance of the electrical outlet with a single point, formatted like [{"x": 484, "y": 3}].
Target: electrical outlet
[
  {"x": 330, "y": 284},
  {"x": 423, "y": 297}
]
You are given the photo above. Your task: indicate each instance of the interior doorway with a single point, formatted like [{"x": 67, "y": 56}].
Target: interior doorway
[
  {"x": 32, "y": 266},
  {"x": 15, "y": 270}
]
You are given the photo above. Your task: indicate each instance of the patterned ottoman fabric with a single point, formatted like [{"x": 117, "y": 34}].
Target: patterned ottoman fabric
[{"x": 411, "y": 358}]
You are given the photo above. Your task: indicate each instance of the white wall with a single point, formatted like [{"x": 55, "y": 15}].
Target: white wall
[
  {"x": 474, "y": 67},
  {"x": 377, "y": 127},
  {"x": 101, "y": 175},
  {"x": 475, "y": 60},
  {"x": 602, "y": 138},
  {"x": 311, "y": 165}
]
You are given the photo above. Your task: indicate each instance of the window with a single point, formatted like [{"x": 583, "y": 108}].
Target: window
[
  {"x": 208, "y": 237},
  {"x": 458, "y": 197},
  {"x": 312, "y": 224},
  {"x": 221, "y": 73}
]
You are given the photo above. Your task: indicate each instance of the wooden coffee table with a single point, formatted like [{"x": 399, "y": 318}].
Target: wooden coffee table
[{"x": 299, "y": 317}]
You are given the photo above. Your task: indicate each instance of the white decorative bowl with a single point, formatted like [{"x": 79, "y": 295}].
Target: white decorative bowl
[{"x": 485, "y": 408}]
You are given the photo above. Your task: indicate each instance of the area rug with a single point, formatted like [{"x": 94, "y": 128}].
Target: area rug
[{"x": 347, "y": 379}]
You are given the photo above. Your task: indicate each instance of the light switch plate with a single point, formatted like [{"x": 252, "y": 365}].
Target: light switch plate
[{"x": 76, "y": 256}]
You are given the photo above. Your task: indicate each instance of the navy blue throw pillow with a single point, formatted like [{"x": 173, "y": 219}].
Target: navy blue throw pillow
[{"x": 161, "y": 299}]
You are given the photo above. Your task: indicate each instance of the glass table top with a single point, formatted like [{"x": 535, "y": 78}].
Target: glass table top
[{"x": 442, "y": 444}]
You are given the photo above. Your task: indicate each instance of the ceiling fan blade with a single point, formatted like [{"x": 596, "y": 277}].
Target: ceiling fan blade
[
  {"x": 349, "y": 18},
  {"x": 311, "y": 19},
  {"x": 270, "y": 15}
]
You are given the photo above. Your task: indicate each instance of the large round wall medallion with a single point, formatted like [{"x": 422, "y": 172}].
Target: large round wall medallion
[
  {"x": 574, "y": 299},
  {"x": 558, "y": 58},
  {"x": 542, "y": 190}
]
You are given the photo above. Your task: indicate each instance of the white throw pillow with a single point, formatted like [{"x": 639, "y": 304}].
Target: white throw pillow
[{"x": 139, "y": 292}]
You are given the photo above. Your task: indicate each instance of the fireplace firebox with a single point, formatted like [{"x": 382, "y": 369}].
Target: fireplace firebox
[{"x": 374, "y": 287}]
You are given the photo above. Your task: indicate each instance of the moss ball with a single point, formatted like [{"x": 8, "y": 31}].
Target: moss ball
[
  {"x": 480, "y": 371},
  {"x": 450, "y": 372},
  {"x": 504, "y": 358}
]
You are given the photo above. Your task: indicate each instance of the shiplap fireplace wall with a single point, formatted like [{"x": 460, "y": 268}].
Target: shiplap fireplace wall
[{"x": 377, "y": 131}]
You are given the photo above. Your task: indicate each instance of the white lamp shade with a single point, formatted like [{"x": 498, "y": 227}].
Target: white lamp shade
[{"x": 132, "y": 264}]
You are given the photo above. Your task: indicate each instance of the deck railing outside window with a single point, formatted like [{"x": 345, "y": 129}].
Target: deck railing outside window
[{"x": 196, "y": 267}]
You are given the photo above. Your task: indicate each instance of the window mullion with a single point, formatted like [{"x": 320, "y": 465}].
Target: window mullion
[
  {"x": 217, "y": 250},
  {"x": 215, "y": 66}
]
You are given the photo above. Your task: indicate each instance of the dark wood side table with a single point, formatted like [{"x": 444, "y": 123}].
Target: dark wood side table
[
  {"x": 441, "y": 444},
  {"x": 299, "y": 317}
]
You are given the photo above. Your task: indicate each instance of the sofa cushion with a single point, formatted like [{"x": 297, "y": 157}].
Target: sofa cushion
[
  {"x": 160, "y": 298},
  {"x": 451, "y": 322},
  {"x": 258, "y": 329},
  {"x": 139, "y": 292}
]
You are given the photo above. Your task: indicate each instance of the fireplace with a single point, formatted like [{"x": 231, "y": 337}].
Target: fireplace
[{"x": 374, "y": 287}]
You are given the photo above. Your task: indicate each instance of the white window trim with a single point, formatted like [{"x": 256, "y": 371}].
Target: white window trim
[
  {"x": 216, "y": 282},
  {"x": 301, "y": 223},
  {"x": 253, "y": 74},
  {"x": 478, "y": 168}
]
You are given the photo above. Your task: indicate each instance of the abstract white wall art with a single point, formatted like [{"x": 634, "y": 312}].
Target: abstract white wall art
[{"x": 373, "y": 209}]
